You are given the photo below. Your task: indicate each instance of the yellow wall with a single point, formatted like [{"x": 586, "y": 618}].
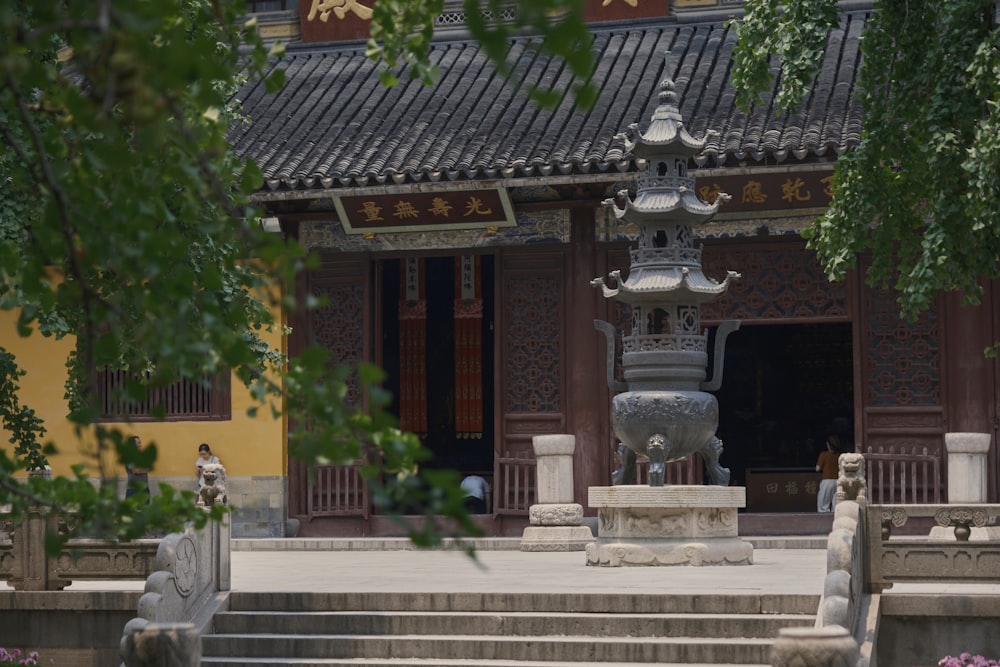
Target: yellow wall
[{"x": 247, "y": 446}]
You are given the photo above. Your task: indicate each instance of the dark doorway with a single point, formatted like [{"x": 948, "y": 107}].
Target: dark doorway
[
  {"x": 784, "y": 388},
  {"x": 448, "y": 375}
]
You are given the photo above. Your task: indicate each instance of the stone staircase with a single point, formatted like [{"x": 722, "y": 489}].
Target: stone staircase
[{"x": 493, "y": 629}]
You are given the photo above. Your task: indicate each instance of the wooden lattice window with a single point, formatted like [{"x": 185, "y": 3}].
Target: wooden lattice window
[
  {"x": 256, "y": 6},
  {"x": 902, "y": 357},
  {"x": 205, "y": 399},
  {"x": 533, "y": 345},
  {"x": 781, "y": 281}
]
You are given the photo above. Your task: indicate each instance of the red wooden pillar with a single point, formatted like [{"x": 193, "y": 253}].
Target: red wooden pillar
[
  {"x": 586, "y": 361},
  {"x": 971, "y": 379}
]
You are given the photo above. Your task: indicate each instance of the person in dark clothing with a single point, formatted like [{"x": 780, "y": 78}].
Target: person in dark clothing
[{"x": 138, "y": 478}]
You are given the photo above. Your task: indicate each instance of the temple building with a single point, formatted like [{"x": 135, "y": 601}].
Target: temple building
[{"x": 459, "y": 227}]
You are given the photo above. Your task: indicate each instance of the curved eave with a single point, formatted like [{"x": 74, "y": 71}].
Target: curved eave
[
  {"x": 664, "y": 137},
  {"x": 677, "y": 285},
  {"x": 666, "y": 206}
]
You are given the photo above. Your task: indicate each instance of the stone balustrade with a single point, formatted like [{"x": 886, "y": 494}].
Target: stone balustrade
[
  {"x": 864, "y": 559},
  {"x": 25, "y": 565},
  {"x": 921, "y": 559},
  {"x": 191, "y": 582}
]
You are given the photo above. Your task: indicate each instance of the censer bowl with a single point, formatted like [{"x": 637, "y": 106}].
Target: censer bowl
[{"x": 686, "y": 419}]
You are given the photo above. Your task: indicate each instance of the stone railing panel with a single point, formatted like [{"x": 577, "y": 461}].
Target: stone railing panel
[
  {"x": 26, "y": 566},
  {"x": 193, "y": 575},
  {"x": 98, "y": 559},
  {"x": 889, "y": 560}
]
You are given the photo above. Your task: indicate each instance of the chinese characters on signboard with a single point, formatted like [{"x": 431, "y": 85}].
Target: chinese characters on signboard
[
  {"x": 340, "y": 9},
  {"x": 622, "y": 10},
  {"x": 420, "y": 211},
  {"x": 334, "y": 20},
  {"x": 787, "y": 490},
  {"x": 769, "y": 191}
]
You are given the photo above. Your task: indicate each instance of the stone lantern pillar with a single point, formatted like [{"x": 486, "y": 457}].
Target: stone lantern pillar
[
  {"x": 967, "y": 466},
  {"x": 967, "y": 481},
  {"x": 555, "y": 519}
]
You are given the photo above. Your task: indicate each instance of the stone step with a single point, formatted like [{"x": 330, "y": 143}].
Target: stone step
[
  {"x": 525, "y": 624},
  {"x": 492, "y": 629},
  {"x": 658, "y": 650},
  {"x": 407, "y": 662},
  {"x": 749, "y": 603},
  {"x": 816, "y": 539}
]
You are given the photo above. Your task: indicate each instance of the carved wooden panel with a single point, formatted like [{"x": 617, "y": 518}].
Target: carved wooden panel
[
  {"x": 533, "y": 346},
  {"x": 533, "y": 358},
  {"x": 781, "y": 280},
  {"x": 929, "y": 419},
  {"x": 903, "y": 362},
  {"x": 340, "y": 325}
]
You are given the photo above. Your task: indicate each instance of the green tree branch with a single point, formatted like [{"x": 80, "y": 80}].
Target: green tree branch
[{"x": 918, "y": 195}]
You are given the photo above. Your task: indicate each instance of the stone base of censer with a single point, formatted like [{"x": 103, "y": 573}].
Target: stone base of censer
[
  {"x": 668, "y": 525},
  {"x": 556, "y": 527}
]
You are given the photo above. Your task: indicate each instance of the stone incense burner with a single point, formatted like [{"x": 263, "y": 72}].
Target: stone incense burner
[{"x": 664, "y": 409}]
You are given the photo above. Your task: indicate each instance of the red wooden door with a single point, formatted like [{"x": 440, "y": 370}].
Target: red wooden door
[
  {"x": 342, "y": 326},
  {"x": 531, "y": 393}
]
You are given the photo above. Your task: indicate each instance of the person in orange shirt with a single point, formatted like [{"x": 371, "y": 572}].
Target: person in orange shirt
[{"x": 828, "y": 464}]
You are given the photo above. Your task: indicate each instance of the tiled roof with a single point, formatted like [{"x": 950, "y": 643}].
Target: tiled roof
[{"x": 335, "y": 126}]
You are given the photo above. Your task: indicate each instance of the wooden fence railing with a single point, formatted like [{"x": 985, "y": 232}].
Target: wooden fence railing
[
  {"x": 895, "y": 475},
  {"x": 899, "y": 475},
  {"x": 337, "y": 491},
  {"x": 514, "y": 484}
]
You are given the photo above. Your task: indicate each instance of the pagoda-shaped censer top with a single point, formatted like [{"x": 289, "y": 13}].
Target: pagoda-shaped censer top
[
  {"x": 666, "y": 265},
  {"x": 665, "y": 355}
]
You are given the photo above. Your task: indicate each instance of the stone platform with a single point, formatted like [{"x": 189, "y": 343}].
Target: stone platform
[{"x": 668, "y": 525}]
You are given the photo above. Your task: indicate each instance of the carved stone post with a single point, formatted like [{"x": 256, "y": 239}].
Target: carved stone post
[
  {"x": 967, "y": 483},
  {"x": 555, "y": 519},
  {"x": 162, "y": 645},
  {"x": 554, "y": 468},
  {"x": 967, "y": 466},
  {"x": 32, "y": 565},
  {"x": 829, "y": 646}
]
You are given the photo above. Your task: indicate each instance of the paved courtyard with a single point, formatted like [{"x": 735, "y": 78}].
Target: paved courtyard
[
  {"x": 269, "y": 567},
  {"x": 773, "y": 571}
]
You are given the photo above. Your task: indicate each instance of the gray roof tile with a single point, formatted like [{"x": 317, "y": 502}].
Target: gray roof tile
[{"x": 334, "y": 125}]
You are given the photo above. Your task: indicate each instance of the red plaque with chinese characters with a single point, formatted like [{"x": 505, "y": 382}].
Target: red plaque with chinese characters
[
  {"x": 622, "y": 10},
  {"x": 774, "y": 191},
  {"x": 341, "y": 20},
  {"x": 782, "y": 490},
  {"x": 335, "y": 20},
  {"x": 422, "y": 211}
]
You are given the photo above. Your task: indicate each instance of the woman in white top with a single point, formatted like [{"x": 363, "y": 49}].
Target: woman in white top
[{"x": 205, "y": 457}]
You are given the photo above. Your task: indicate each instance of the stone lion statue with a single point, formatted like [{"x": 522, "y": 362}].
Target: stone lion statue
[
  {"x": 851, "y": 480},
  {"x": 213, "y": 490}
]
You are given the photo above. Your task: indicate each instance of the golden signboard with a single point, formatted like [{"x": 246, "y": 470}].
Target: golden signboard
[
  {"x": 769, "y": 191},
  {"x": 334, "y": 20},
  {"x": 425, "y": 211},
  {"x": 623, "y": 10},
  {"x": 338, "y": 20}
]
